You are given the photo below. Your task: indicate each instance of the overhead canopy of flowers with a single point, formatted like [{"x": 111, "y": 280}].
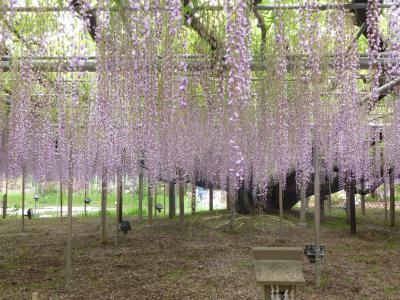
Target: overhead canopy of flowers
[{"x": 195, "y": 91}]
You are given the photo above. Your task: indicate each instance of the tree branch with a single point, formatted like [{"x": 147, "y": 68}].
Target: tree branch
[
  {"x": 216, "y": 45},
  {"x": 261, "y": 25}
]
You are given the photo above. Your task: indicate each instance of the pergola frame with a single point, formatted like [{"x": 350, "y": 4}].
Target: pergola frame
[
  {"x": 325, "y": 6},
  {"x": 195, "y": 62}
]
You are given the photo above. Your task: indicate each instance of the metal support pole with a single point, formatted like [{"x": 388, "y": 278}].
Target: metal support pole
[
  {"x": 392, "y": 199},
  {"x": 182, "y": 203},
  {"x": 352, "y": 203},
  {"x": 280, "y": 209},
  {"x": 5, "y": 200},
  {"x": 104, "y": 182},
  {"x": 61, "y": 199},
  {"x": 23, "y": 201},
  {"x": 211, "y": 196},
  {"x": 317, "y": 215},
  {"x": 303, "y": 206},
  {"x": 150, "y": 205},
  {"x": 362, "y": 197},
  {"x": 193, "y": 198},
  {"x": 140, "y": 205},
  {"x": 385, "y": 199},
  {"x": 164, "y": 198}
]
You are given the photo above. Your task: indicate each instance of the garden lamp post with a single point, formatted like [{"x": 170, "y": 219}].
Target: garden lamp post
[
  {"x": 36, "y": 197},
  {"x": 86, "y": 202}
]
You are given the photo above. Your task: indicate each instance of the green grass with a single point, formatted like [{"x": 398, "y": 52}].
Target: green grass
[
  {"x": 130, "y": 201},
  {"x": 348, "y": 279},
  {"x": 389, "y": 291},
  {"x": 176, "y": 273},
  {"x": 392, "y": 245},
  {"x": 363, "y": 259},
  {"x": 324, "y": 280}
]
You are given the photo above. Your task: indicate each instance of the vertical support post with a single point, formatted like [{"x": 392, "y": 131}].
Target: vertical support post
[
  {"x": 317, "y": 215},
  {"x": 211, "y": 198},
  {"x": 84, "y": 200},
  {"x": 322, "y": 206},
  {"x": 150, "y": 205},
  {"x": 228, "y": 197},
  {"x": 103, "y": 235},
  {"x": 119, "y": 196},
  {"x": 193, "y": 198},
  {"x": 68, "y": 256},
  {"x": 61, "y": 199},
  {"x": 118, "y": 216},
  {"x": 5, "y": 200},
  {"x": 392, "y": 199},
  {"x": 362, "y": 197},
  {"x": 303, "y": 206},
  {"x": 171, "y": 200},
  {"x": 384, "y": 185},
  {"x": 140, "y": 194},
  {"x": 182, "y": 203},
  {"x": 155, "y": 202},
  {"x": 352, "y": 200},
  {"x": 280, "y": 187},
  {"x": 329, "y": 194},
  {"x": 385, "y": 199},
  {"x": 23, "y": 200},
  {"x": 164, "y": 198},
  {"x": 347, "y": 187},
  {"x": 232, "y": 192}
]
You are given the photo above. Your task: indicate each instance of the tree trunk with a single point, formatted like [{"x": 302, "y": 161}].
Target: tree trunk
[
  {"x": 182, "y": 204},
  {"x": 303, "y": 206},
  {"x": 362, "y": 197},
  {"x": 171, "y": 200},
  {"x": 150, "y": 206},
  {"x": 193, "y": 198},
  {"x": 68, "y": 255},
  {"x": 352, "y": 200},
  {"x": 392, "y": 199},
  {"x": 103, "y": 233},
  {"x": 211, "y": 198},
  {"x": 140, "y": 194},
  {"x": 23, "y": 201}
]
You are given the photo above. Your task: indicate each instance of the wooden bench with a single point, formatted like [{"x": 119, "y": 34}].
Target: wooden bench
[{"x": 278, "y": 270}]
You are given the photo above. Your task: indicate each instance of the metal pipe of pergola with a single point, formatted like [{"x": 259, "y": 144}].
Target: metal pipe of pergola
[
  {"x": 62, "y": 65},
  {"x": 324, "y": 6}
]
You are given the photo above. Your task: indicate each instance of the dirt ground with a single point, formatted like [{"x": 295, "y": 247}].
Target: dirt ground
[{"x": 203, "y": 261}]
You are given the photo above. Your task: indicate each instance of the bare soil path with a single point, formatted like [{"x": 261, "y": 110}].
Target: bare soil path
[{"x": 204, "y": 261}]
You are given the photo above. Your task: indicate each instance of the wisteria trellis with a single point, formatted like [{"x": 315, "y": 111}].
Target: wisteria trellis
[{"x": 148, "y": 105}]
